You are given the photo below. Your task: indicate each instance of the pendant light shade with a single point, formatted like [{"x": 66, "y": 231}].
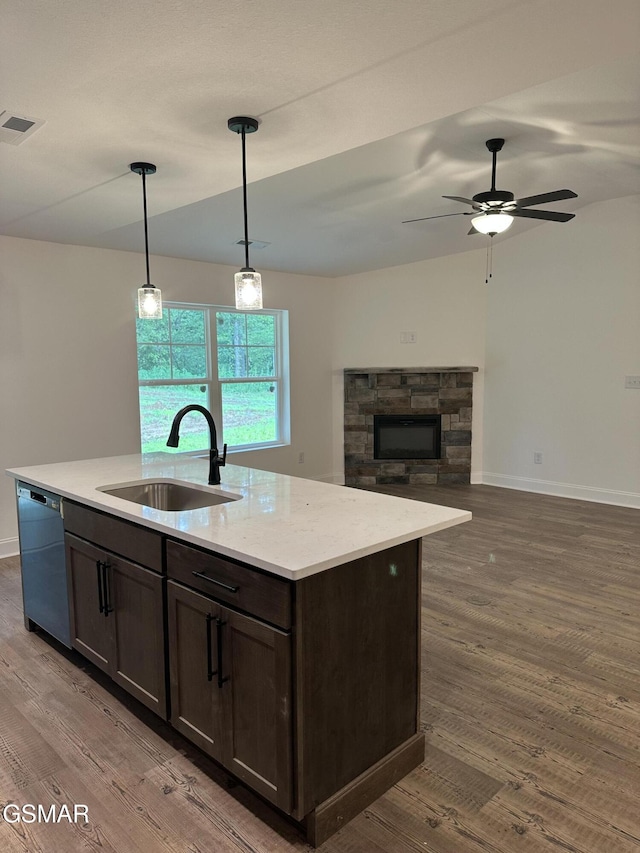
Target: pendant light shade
[
  {"x": 248, "y": 286},
  {"x": 149, "y": 296},
  {"x": 149, "y": 303},
  {"x": 492, "y": 223},
  {"x": 248, "y": 282}
]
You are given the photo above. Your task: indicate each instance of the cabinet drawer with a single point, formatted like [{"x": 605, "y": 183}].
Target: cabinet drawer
[
  {"x": 122, "y": 537},
  {"x": 261, "y": 595}
]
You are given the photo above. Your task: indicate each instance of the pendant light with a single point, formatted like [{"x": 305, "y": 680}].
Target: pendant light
[
  {"x": 149, "y": 296},
  {"x": 248, "y": 282}
]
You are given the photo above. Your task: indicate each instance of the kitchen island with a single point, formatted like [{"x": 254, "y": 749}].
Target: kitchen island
[{"x": 279, "y": 631}]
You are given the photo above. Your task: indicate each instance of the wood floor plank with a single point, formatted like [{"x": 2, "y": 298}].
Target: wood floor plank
[{"x": 216, "y": 809}]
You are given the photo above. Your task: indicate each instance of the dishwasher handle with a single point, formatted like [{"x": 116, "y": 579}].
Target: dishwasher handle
[{"x": 42, "y": 498}]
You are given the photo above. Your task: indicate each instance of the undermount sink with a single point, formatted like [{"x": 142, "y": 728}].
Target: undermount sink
[{"x": 168, "y": 495}]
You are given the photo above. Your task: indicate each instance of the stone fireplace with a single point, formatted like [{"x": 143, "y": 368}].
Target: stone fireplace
[{"x": 409, "y": 393}]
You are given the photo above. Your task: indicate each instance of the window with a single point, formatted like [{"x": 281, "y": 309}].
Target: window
[{"x": 234, "y": 363}]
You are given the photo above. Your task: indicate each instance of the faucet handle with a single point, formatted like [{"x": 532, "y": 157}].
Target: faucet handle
[{"x": 223, "y": 461}]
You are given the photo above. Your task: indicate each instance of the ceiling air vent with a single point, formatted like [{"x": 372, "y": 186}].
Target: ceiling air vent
[{"x": 15, "y": 127}]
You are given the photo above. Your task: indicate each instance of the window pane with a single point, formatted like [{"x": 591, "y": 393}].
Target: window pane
[
  {"x": 261, "y": 361},
  {"x": 176, "y": 349},
  {"x": 159, "y": 404},
  {"x": 261, "y": 330},
  {"x": 232, "y": 362},
  {"x": 187, "y": 326},
  {"x": 249, "y": 411},
  {"x": 231, "y": 329},
  {"x": 153, "y": 331},
  {"x": 153, "y": 360},
  {"x": 189, "y": 362}
]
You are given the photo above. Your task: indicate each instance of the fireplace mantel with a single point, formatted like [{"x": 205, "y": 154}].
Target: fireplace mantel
[
  {"x": 445, "y": 391},
  {"x": 411, "y": 370}
]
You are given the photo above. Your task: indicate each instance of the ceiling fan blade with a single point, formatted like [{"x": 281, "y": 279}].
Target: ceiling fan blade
[
  {"x": 440, "y": 216},
  {"x": 558, "y": 195},
  {"x": 550, "y": 215},
  {"x": 458, "y": 198}
]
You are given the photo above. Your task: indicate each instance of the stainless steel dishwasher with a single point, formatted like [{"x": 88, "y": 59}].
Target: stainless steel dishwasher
[{"x": 44, "y": 574}]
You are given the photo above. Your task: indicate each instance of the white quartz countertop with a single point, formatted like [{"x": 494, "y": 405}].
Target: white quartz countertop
[{"x": 288, "y": 526}]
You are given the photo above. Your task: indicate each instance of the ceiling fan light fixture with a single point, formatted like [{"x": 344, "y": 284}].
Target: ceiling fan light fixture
[
  {"x": 149, "y": 296},
  {"x": 492, "y": 223},
  {"x": 248, "y": 282}
]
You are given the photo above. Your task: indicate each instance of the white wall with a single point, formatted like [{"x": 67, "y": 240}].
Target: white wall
[
  {"x": 563, "y": 329},
  {"x": 442, "y": 300},
  {"x": 562, "y": 322},
  {"x": 68, "y": 376}
]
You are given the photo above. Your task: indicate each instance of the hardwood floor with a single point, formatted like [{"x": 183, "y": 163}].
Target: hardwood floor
[{"x": 530, "y": 703}]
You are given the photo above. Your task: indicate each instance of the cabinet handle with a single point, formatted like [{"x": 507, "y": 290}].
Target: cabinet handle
[
  {"x": 217, "y": 583},
  {"x": 107, "y": 592},
  {"x": 99, "y": 573},
  {"x": 210, "y": 671},
  {"x": 219, "y": 626}
]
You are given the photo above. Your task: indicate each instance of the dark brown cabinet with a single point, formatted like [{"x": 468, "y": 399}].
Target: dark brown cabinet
[
  {"x": 117, "y": 621},
  {"x": 196, "y": 708},
  {"x": 307, "y": 691},
  {"x": 90, "y": 629},
  {"x": 231, "y": 689},
  {"x": 317, "y": 712}
]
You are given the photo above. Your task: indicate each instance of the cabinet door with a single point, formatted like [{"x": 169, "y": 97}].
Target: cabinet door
[
  {"x": 134, "y": 596},
  {"x": 90, "y": 626},
  {"x": 256, "y": 689},
  {"x": 193, "y": 656}
]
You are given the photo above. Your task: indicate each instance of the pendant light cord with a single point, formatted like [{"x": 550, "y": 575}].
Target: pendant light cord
[
  {"x": 146, "y": 230},
  {"x": 244, "y": 196}
]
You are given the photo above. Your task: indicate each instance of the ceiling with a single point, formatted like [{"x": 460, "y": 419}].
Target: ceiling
[{"x": 369, "y": 112}]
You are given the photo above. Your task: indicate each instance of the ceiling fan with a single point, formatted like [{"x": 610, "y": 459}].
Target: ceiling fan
[{"x": 493, "y": 211}]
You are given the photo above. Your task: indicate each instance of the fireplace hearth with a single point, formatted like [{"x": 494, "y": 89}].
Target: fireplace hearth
[{"x": 427, "y": 409}]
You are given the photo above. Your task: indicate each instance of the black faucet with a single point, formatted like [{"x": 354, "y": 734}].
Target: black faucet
[{"x": 215, "y": 461}]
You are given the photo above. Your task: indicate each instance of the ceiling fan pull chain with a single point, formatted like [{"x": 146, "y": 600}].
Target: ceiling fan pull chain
[
  {"x": 489, "y": 263},
  {"x": 491, "y": 256}
]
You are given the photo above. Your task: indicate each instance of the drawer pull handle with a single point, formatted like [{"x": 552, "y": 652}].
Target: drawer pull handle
[{"x": 217, "y": 583}]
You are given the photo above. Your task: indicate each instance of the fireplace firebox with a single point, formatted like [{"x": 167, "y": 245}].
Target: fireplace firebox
[{"x": 406, "y": 436}]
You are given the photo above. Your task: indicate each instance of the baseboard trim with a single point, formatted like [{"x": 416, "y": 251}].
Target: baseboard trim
[
  {"x": 563, "y": 490},
  {"x": 331, "y": 815},
  {"x": 9, "y": 547}
]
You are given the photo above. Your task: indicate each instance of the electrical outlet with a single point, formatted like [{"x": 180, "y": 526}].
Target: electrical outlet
[
  {"x": 300, "y": 458},
  {"x": 408, "y": 337},
  {"x": 537, "y": 457},
  {"x": 632, "y": 382}
]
